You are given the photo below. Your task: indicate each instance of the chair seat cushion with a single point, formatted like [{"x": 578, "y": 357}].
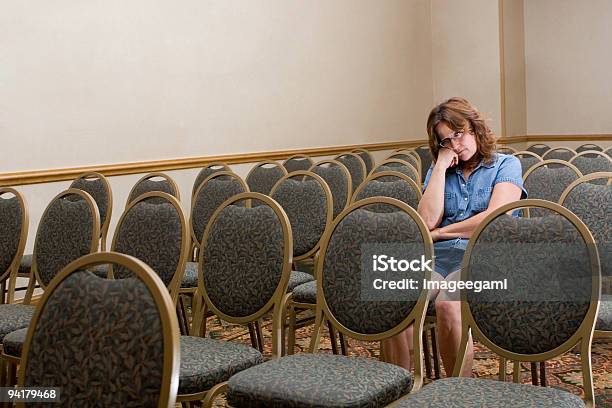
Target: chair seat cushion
[
  {"x": 475, "y": 392},
  {"x": 14, "y": 341},
  {"x": 14, "y": 317},
  {"x": 26, "y": 264},
  {"x": 206, "y": 362},
  {"x": 297, "y": 278},
  {"x": 604, "y": 317},
  {"x": 306, "y": 293},
  {"x": 319, "y": 380},
  {"x": 190, "y": 277}
]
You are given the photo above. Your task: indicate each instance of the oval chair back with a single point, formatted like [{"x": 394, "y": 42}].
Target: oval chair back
[
  {"x": 527, "y": 160},
  {"x": 399, "y": 166},
  {"x": 588, "y": 146},
  {"x": 154, "y": 182},
  {"x": 13, "y": 236},
  {"x": 297, "y": 162},
  {"x": 356, "y": 166},
  {"x": 338, "y": 179},
  {"x": 104, "y": 342},
  {"x": 426, "y": 160},
  {"x": 559, "y": 153},
  {"x": 538, "y": 148},
  {"x": 410, "y": 157},
  {"x": 261, "y": 179},
  {"x": 367, "y": 158},
  {"x": 390, "y": 184},
  {"x": 212, "y": 168},
  {"x": 592, "y": 161},
  {"x": 547, "y": 180},
  {"x": 99, "y": 188}
]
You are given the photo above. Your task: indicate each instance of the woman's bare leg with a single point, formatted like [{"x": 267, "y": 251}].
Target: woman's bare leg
[{"x": 398, "y": 349}]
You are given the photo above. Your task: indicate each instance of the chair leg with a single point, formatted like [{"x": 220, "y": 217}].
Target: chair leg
[
  {"x": 180, "y": 317},
  {"x": 434, "y": 350},
  {"x": 291, "y": 329},
  {"x": 332, "y": 336},
  {"x": 254, "y": 342},
  {"x": 534, "y": 373},
  {"x": 426, "y": 354},
  {"x": 502, "y": 369},
  {"x": 543, "y": 373},
  {"x": 343, "y": 344},
  {"x": 516, "y": 374},
  {"x": 260, "y": 345}
]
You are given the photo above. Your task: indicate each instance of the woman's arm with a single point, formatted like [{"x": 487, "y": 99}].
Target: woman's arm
[
  {"x": 431, "y": 206},
  {"x": 503, "y": 193}
]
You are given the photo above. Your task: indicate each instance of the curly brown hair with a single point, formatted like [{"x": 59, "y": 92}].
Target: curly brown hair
[{"x": 459, "y": 115}]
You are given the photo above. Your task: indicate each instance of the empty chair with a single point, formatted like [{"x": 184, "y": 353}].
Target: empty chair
[
  {"x": 154, "y": 182},
  {"x": 397, "y": 185},
  {"x": 591, "y": 203},
  {"x": 104, "y": 343},
  {"x": 559, "y": 153},
  {"x": 506, "y": 149},
  {"x": 355, "y": 166},
  {"x": 206, "y": 172},
  {"x": 538, "y": 148},
  {"x": 244, "y": 269},
  {"x": 527, "y": 160},
  {"x": 99, "y": 188},
  {"x": 548, "y": 183},
  {"x": 408, "y": 156},
  {"x": 425, "y": 154},
  {"x": 263, "y": 176},
  {"x": 588, "y": 146},
  {"x": 398, "y": 165},
  {"x": 548, "y": 307},
  {"x": 320, "y": 379},
  {"x": 367, "y": 158},
  {"x": 297, "y": 162},
  {"x": 338, "y": 179},
  {"x": 592, "y": 161}
]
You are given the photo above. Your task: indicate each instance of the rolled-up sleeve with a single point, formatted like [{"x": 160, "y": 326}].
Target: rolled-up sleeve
[{"x": 510, "y": 172}]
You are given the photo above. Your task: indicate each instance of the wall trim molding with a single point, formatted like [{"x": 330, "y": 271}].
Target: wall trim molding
[{"x": 121, "y": 169}]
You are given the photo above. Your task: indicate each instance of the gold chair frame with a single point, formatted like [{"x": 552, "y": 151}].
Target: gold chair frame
[
  {"x": 404, "y": 163},
  {"x": 363, "y": 167},
  {"x": 298, "y": 156},
  {"x": 560, "y": 148},
  {"x": 109, "y": 209},
  {"x": 264, "y": 163},
  {"x": 349, "y": 186},
  {"x": 170, "y": 180},
  {"x": 224, "y": 167},
  {"x": 374, "y": 176},
  {"x": 412, "y": 153}
]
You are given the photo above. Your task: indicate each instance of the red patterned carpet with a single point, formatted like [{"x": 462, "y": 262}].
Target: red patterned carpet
[{"x": 563, "y": 372}]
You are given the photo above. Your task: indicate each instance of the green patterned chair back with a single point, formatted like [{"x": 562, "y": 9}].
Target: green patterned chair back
[
  {"x": 538, "y": 148},
  {"x": 397, "y": 165},
  {"x": 13, "y": 233},
  {"x": 588, "y": 146},
  {"x": 367, "y": 158},
  {"x": 99, "y": 188},
  {"x": 154, "y": 182},
  {"x": 343, "y": 291},
  {"x": 106, "y": 343},
  {"x": 207, "y": 172},
  {"x": 338, "y": 179},
  {"x": 68, "y": 229},
  {"x": 153, "y": 229},
  {"x": 261, "y": 179},
  {"x": 527, "y": 159},
  {"x": 297, "y": 162},
  {"x": 408, "y": 158},
  {"x": 545, "y": 182},
  {"x": 592, "y": 204},
  {"x": 355, "y": 166},
  {"x": 552, "y": 275},
  {"x": 308, "y": 203},
  {"x": 246, "y": 259},
  {"x": 390, "y": 184},
  {"x": 559, "y": 153},
  {"x": 426, "y": 159},
  {"x": 213, "y": 191},
  {"x": 592, "y": 161}
]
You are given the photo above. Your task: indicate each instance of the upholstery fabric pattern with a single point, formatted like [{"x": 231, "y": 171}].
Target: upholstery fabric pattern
[
  {"x": 298, "y": 278},
  {"x": 210, "y": 197},
  {"x": 207, "y": 172},
  {"x": 426, "y": 159},
  {"x": 14, "y": 317},
  {"x": 398, "y": 189},
  {"x": 305, "y": 203},
  {"x": 97, "y": 189},
  {"x": 588, "y": 165},
  {"x": 536, "y": 313},
  {"x": 527, "y": 162},
  {"x": 586, "y": 147},
  {"x": 101, "y": 341},
  {"x": 354, "y": 167},
  {"x": 11, "y": 221},
  {"x": 367, "y": 160},
  {"x": 538, "y": 149},
  {"x": 14, "y": 341},
  {"x": 190, "y": 277},
  {"x": 296, "y": 164},
  {"x": 206, "y": 362},
  {"x": 243, "y": 259},
  {"x": 604, "y": 317},
  {"x": 341, "y": 282},
  {"x": 152, "y": 233},
  {"x": 548, "y": 184},
  {"x": 337, "y": 182},
  {"x": 262, "y": 179},
  {"x": 148, "y": 186},
  {"x": 64, "y": 234},
  {"x": 559, "y": 154},
  {"x": 461, "y": 392},
  {"x": 396, "y": 167},
  {"x": 319, "y": 380},
  {"x": 407, "y": 158},
  {"x": 306, "y": 293}
]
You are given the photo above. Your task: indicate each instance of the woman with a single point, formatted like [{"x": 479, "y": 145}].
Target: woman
[{"x": 467, "y": 181}]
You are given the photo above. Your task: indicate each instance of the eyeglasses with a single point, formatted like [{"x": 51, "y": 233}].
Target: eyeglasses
[{"x": 446, "y": 142}]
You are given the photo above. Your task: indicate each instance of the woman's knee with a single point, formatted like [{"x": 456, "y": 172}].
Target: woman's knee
[{"x": 448, "y": 311}]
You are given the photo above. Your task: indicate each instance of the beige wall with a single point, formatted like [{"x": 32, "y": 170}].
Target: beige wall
[
  {"x": 514, "y": 68},
  {"x": 568, "y": 60},
  {"x": 466, "y": 54},
  {"x": 115, "y": 81}
]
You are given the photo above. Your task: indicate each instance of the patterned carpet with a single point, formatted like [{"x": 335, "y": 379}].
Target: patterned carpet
[{"x": 563, "y": 372}]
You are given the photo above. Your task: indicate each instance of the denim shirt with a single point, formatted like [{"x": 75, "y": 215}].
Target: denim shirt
[{"x": 465, "y": 198}]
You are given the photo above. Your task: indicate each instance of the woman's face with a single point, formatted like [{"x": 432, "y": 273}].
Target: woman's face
[{"x": 465, "y": 146}]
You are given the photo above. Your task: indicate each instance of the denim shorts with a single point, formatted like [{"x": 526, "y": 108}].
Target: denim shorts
[{"x": 448, "y": 255}]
